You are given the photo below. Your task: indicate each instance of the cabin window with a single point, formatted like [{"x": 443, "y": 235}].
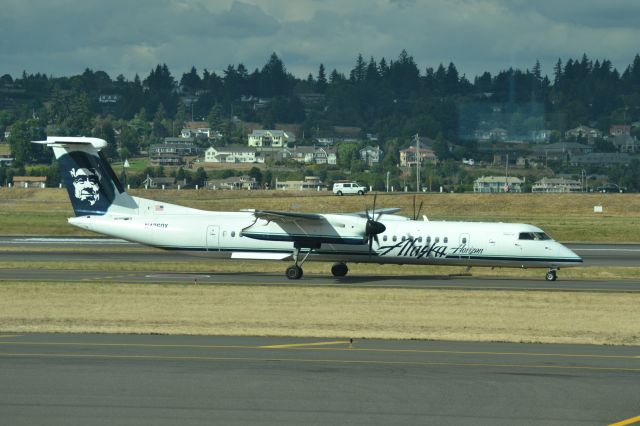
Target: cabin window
[
  {"x": 233, "y": 234},
  {"x": 445, "y": 240},
  {"x": 419, "y": 239},
  {"x": 394, "y": 239},
  {"x": 384, "y": 238},
  {"x": 403, "y": 238},
  {"x": 428, "y": 240},
  {"x": 464, "y": 240},
  {"x": 224, "y": 233},
  {"x": 436, "y": 240}
]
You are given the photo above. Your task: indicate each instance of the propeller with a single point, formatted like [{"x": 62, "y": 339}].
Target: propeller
[
  {"x": 373, "y": 227},
  {"x": 416, "y": 214}
]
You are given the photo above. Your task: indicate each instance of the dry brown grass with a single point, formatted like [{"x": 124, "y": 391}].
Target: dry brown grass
[{"x": 322, "y": 312}]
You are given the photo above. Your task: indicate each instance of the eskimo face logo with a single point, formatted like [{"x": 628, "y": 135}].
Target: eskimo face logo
[{"x": 86, "y": 184}]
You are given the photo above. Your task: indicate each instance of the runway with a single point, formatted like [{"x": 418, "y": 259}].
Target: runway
[
  {"x": 49, "y": 379},
  {"x": 22, "y": 249},
  {"x": 39, "y": 248},
  {"x": 191, "y": 380}
]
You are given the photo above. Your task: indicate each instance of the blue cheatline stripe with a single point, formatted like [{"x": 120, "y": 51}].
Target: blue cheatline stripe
[{"x": 365, "y": 253}]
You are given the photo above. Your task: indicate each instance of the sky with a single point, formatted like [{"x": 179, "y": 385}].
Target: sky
[{"x": 129, "y": 37}]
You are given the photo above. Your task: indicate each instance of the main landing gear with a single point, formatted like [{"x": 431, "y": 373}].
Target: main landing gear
[
  {"x": 294, "y": 272},
  {"x": 339, "y": 269},
  {"x": 551, "y": 275}
]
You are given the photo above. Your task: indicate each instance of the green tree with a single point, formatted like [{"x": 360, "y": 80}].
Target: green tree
[{"x": 201, "y": 177}]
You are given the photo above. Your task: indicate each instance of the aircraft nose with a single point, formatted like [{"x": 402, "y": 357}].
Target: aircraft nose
[{"x": 570, "y": 254}]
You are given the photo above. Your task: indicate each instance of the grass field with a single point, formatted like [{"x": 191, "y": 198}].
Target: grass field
[
  {"x": 567, "y": 217},
  {"x": 297, "y": 310},
  {"x": 556, "y": 317}
]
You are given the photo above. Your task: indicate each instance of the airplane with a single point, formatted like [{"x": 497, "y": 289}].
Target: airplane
[{"x": 102, "y": 205}]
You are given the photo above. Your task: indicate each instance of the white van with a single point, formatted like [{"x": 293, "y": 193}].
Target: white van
[{"x": 342, "y": 188}]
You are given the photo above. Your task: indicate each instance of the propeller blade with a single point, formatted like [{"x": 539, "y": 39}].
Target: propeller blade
[
  {"x": 419, "y": 208},
  {"x": 414, "y": 207}
]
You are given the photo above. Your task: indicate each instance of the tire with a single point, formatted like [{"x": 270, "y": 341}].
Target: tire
[
  {"x": 294, "y": 272},
  {"x": 339, "y": 193},
  {"x": 551, "y": 276},
  {"x": 360, "y": 192},
  {"x": 339, "y": 269}
]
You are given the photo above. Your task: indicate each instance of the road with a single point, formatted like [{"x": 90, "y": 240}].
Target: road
[{"x": 192, "y": 380}]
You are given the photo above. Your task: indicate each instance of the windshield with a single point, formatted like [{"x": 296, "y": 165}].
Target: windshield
[{"x": 533, "y": 236}]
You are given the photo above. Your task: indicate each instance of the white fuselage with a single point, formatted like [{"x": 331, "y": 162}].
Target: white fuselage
[{"x": 404, "y": 241}]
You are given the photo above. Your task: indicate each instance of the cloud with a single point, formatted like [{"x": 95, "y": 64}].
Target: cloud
[{"x": 62, "y": 37}]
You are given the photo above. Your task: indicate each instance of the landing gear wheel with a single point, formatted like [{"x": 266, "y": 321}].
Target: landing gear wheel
[
  {"x": 339, "y": 269},
  {"x": 551, "y": 275},
  {"x": 339, "y": 192},
  {"x": 294, "y": 272}
]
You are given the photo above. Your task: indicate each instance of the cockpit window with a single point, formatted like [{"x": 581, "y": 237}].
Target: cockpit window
[{"x": 539, "y": 236}]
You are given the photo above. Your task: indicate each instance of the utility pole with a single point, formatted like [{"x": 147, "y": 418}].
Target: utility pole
[{"x": 417, "y": 163}]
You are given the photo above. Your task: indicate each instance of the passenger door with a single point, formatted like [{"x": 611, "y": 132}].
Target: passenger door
[{"x": 213, "y": 238}]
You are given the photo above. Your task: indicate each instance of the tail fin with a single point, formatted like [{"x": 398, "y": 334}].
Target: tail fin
[{"x": 93, "y": 187}]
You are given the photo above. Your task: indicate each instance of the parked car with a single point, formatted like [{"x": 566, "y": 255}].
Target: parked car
[
  {"x": 610, "y": 187},
  {"x": 342, "y": 188}
]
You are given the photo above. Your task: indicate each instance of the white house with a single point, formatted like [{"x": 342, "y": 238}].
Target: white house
[
  {"x": 232, "y": 154},
  {"x": 309, "y": 183},
  {"x": 311, "y": 155},
  {"x": 556, "y": 185},
  {"x": 498, "y": 184},
  {"x": 270, "y": 138},
  {"x": 371, "y": 155}
]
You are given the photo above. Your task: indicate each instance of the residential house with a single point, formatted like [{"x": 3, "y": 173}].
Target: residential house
[
  {"x": 108, "y": 99},
  {"x": 556, "y": 185},
  {"x": 171, "y": 154},
  {"x": 198, "y": 129},
  {"x": 601, "y": 159},
  {"x": 495, "y": 134},
  {"x": 270, "y": 138},
  {"x": 583, "y": 132},
  {"x": 6, "y": 161},
  {"x": 309, "y": 183},
  {"x": 29, "y": 181},
  {"x": 162, "y": 182},
  {"x": 498, "y": 184},
  {"x": 625, "y": 143},
  {"x": 232, "y": 154},
  {"x": 371, "y": 155},
  {"x": 540, "y": 136},
  {"x": 179, "y": 141},
  {"x": 233, "y": 182},
  {"x": 309, "y": 155},
  {"x": 559, "y": 151},
  {"x": 619, "y": 130},
  {"x": 409, "y": 156}
]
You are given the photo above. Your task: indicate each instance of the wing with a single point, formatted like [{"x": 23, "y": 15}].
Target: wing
[
  {"x": 287, "y": 217},
  {"x": 307, "y": 229}
]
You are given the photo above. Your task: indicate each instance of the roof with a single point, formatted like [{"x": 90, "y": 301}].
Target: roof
[
  {"x": 29, "y": 179},
  {"x": 499, "y": 179},
  {"x": 231, "y": 149}
]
